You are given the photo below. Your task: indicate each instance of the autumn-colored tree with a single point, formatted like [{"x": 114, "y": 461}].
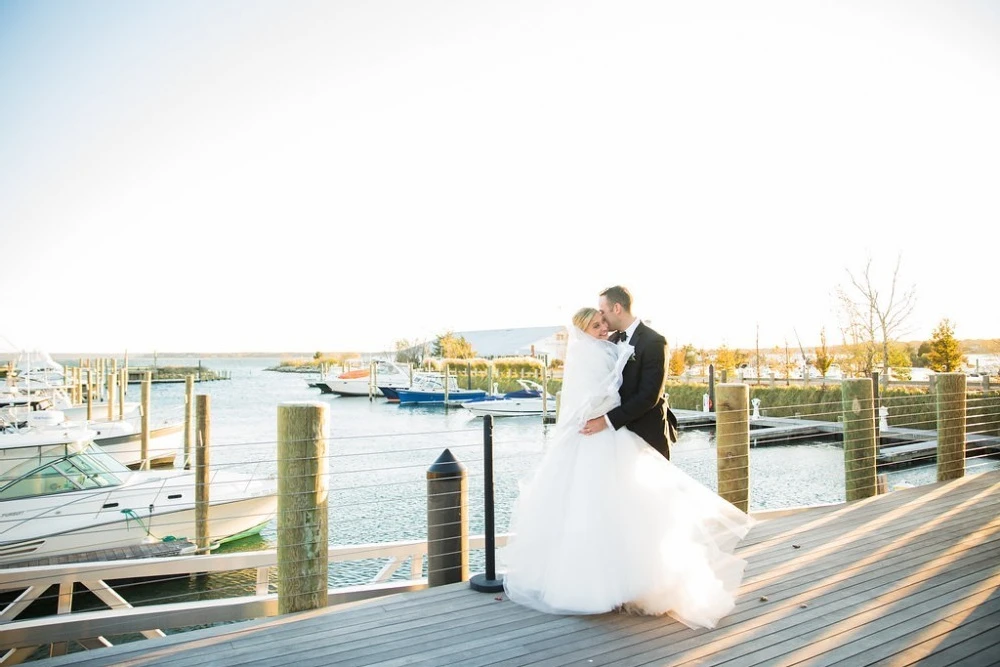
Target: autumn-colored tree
[
  {"x": 449, "y": 346},
  {"x": 690, "y": 357},
  {"x": 899, "y": 361},
  {"x": 946, "y": 352},
  {"x": 676, "y": 365},
  {"x": 824, "y": 359},
  {"x": 724, "y": 360}
]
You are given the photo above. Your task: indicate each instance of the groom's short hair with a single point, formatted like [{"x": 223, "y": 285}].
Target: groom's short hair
[{"x": 620, "y": 295}]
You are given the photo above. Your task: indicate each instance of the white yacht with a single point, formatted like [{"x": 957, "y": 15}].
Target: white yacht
[
  {"x": 367, "y": 381},
  {"x": 70, "y": 496},
  {"x": 121, "y": 438}
]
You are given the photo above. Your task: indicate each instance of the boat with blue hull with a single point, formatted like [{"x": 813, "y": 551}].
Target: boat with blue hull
[{"x": 431, "y": 389}]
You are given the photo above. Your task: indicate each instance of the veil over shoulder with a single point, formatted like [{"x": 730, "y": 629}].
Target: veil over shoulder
[
  {"x": 591, "y": 379},
  {"x": 604, "y": 521}
]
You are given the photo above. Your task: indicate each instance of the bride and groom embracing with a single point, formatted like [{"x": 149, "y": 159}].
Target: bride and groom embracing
[{"x": 606, "y": 521}]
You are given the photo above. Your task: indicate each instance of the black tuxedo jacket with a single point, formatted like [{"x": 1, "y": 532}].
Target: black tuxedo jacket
[{"x": 643, "y": 379}]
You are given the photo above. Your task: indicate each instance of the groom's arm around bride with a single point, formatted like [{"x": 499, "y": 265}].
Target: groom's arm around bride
[{"x": 642, "y": 409}]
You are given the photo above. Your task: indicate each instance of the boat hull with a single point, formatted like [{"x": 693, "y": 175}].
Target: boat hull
[
  {"x": 411, "y": 396},
  {"x": 85, "y": 521},
  {"x": 126, "y": 444},
  {"x": 517, "y": 407},
  {"x": 358, "y": 386}
]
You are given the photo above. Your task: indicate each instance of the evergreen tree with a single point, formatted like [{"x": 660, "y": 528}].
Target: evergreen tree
[{"x": 945, "y": 354}]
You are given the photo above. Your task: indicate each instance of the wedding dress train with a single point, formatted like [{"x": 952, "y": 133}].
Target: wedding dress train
[{"x": 605, "y": 521}]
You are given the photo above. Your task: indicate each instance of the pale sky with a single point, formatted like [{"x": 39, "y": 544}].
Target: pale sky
[{"x": 268, "y": 176}]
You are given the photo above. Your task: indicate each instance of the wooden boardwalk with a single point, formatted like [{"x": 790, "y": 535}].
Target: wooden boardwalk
[{"x": 911, "y": 577}]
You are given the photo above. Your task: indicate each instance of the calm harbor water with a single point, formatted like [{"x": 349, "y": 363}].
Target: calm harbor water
[{"x": 379, "y": 454}]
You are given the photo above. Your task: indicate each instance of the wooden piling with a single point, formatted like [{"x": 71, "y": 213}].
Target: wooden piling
[
  {"x": 732, "y": 443},
  {"x": 303, "y": 547},
  {"x": 188, "y": 419},
  {"x": 858, "y": 404},
  {"x": 446, "y": 384},
  {"x": 145, "y": 407},
  {"x": 545, "y": 394},
  {"x": 711, "y": 387},
  {"x": 882, "y": 484},
  {"x": 112, "y": 390},
  {"x": 447, "y": 521},
  {"x": 202, "y": 462},
  {"x": 122, "y": 383},
  {"x": 951, "y": 423},
  {"x": 90, "y": 395}
]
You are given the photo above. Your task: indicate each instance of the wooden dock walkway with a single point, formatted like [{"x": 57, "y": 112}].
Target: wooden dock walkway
[
  {"x": 911, "y": 577},
  {"x": 898, "y": 446}
]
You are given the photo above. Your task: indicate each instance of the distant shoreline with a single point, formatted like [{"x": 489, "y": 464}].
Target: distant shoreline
[{"x": 169, "y": 355}]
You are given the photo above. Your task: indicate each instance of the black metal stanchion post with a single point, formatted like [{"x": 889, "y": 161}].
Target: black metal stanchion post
[{"x": 488, "y": 582}]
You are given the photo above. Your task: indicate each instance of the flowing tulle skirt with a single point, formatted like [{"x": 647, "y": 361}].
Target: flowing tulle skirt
[{"x": 606, "y": 522}]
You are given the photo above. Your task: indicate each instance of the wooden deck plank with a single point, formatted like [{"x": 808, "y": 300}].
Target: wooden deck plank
[
  {"x": 820, "y": 556},
  {"x": 909, "y": 577},
  {"x": 433, "y": 628},
  {"x": 919, "y": 646},
  {"x": 864, "y": 593},
  {"x": 740, "y": 639},
  {"x": 853, "y": 517},
  {"x": 861, "y": 631},
  {"x": 778, "y": 584},
  {"x": 763, "y": 556}
]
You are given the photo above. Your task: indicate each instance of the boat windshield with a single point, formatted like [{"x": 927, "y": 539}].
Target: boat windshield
[{"x": 49, "y": 470}]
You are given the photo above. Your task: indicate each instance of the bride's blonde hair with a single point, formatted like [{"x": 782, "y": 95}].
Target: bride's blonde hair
[{"x": 583, "y": 317}]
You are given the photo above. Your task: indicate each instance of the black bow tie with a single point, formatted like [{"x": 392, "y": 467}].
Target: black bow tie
[{"x": 618, "y": 336}]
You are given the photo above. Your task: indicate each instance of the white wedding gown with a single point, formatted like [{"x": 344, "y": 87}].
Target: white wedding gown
[{"x": 606, "y": 521}]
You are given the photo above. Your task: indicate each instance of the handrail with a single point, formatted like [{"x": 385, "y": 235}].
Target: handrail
[{"x": 122, "y": 618}]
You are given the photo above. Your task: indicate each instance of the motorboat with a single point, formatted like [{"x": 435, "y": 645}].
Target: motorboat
[
  {"x": 45, "y": 398},
  {"x": 432, "y": 389},
  {"x": 529, "y": 389},
  {"x": 38, "y": 369},
  {"x": 70, "y": 496},
  {"x": 512, "y": 407},
  {"x": 391, "y": 394},
  {"x": 120, "y": 438},
  {"x": 523, "y": 402},
  {"x": 367, "y": 381}
]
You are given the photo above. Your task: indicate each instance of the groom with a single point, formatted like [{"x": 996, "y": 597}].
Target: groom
[{"x": 642, "y": 410}]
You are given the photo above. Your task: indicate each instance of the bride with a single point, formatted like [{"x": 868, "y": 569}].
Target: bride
[{"x": 605, "y": 522}]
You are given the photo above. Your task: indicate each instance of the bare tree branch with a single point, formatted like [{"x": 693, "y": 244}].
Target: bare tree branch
[{"x": 873, "y": 322}]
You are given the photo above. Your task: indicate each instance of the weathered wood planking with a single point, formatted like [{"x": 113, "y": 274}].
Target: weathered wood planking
[{"x": 911, "y": 577}]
